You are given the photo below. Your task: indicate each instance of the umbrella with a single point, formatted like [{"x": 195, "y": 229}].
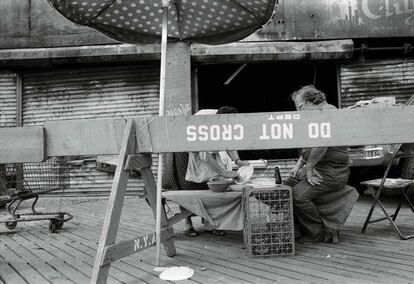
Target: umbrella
[
  {"x": 140, "y": 21},
  {"x": 148, "y": 21}
]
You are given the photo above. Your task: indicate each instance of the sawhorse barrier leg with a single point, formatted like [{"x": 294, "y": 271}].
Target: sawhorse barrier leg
[{"x": 109, "y": 251}]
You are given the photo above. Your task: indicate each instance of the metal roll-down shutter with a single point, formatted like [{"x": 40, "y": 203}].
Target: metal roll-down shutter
[
  {"x": 112, "y": 91},
  {"x": 8, "y": 92},
  {"x": 383, "y": 78}
]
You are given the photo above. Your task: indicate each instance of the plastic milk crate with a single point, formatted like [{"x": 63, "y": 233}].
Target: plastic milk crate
[{"x": 268, "y": 221}]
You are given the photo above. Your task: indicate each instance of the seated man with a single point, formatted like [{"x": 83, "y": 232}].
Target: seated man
[
  {"x": 191, "y": 171},
  {"x": 319, "y": 181}
]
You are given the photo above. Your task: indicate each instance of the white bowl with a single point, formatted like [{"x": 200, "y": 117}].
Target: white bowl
[
  {"x": 218, "y": 185},
  {"x": 245, "y": 173}
]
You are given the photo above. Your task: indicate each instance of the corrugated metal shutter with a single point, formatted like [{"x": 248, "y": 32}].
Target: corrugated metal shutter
[
  {"x": 82, "y": 93},
  {"x": 7, "y": 99},
  {"x": 88, "y": 93},
  {"x": 366, "y": 80}
]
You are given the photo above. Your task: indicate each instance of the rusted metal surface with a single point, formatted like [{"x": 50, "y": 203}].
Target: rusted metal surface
[
  {"x": 36, "y": 24},
  {"x": 334, "y": 19},
  {"x": 7, "y": 99},
  {"x": 273, "y": 51},
  {"x": 383, "y": 78}
]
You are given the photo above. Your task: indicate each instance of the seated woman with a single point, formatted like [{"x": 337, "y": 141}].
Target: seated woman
[
  {"x": 319, "y": 181},
  {"x": 191, "y": 171}
]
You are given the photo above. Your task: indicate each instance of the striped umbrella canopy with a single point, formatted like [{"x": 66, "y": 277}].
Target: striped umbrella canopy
[{"x": 140, "y": 21}]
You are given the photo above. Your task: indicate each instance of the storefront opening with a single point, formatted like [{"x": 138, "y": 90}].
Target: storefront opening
[{"x": 263, "y": 88}]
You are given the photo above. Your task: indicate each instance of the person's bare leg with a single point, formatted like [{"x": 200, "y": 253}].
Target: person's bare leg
[{"x": 188, "y": 227}]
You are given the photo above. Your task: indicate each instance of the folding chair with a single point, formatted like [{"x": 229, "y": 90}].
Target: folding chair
[{"x": 375, "y": 188}]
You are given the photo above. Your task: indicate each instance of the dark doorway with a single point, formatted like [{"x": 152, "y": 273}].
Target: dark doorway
[{"x": 263, "y": 88}]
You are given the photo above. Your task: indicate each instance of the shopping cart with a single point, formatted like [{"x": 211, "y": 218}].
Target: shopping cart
[{"x": 20, "y": 182}]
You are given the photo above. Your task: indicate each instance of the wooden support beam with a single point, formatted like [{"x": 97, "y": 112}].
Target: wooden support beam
[
  {"x": 116, "y": 199},
  {"x": 271, "y": 130},
  {"x": 179, "y": 216},
  {"x": 283, "y": 130},
  {"x": 22, "y": 144},
  {"x": 84, "y": 137},
  {"x": 142, "y": 162},
  {"x": 125, "y": 248}
]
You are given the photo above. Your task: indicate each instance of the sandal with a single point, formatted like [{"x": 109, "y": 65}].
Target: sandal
[{"x": 190, "y": 232}]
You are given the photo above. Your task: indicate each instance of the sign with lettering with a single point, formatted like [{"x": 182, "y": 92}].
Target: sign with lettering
[
  {"x": 277, "y": 130},
  {"x": 144, "y": 242},
  {"x": 125, "y": 248},
  {"x": 336, "y": 19}
]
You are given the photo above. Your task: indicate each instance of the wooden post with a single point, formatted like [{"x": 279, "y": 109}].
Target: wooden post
[
  {"x": 19, "y": 123},
  {"x": 163, "y": 72}
]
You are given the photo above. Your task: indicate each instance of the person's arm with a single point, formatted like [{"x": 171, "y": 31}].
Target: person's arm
[
  {"x": 315, "y": 155},
  {"x": 234, "y": 156},
  {"x": 296, "y": 169},
  {"x": 213, "y": 165}
]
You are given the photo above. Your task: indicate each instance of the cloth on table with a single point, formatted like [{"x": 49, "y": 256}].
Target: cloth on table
[{"x": 223, "y": 210}]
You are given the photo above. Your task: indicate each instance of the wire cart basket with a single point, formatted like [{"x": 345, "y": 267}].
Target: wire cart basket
[{"x": 20, "y": 182}]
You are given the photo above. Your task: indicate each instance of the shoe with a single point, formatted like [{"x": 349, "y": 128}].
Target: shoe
[
  {"x": 331, "y": 236},
  {"x": 216, "y": 232},
  {"x": 305, "y": 240},
  {"x": 190, "y": 232}
]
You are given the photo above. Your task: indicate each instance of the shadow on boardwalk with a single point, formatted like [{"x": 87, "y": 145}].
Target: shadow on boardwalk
[{"x": 31, "y": 254}]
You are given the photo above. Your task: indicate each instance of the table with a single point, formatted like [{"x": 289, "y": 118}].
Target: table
[{"x": 223, "y": 210}]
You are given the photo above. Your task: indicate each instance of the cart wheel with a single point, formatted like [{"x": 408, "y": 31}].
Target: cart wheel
[
  {"x": 59, "y": 224},
  {"x": 11, "y": 225},
  {"x": 52, "y": 226}
]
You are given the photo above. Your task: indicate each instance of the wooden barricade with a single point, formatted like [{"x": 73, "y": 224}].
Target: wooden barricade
[{"x": 134, "y": 139}]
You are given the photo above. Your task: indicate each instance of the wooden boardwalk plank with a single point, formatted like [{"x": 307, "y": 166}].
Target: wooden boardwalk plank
[
  {"x": 142, "y": 264},
  {"x": 136, "y": 266},
  {"x": 76, "y": 257},
  {"x": 9, "y": 274},
  {"x": 201, "y": 276},
  {"x": 121, "y": 271},
  {"x": 377, "y": 256},
  {"x": 333, "y": 270},
  {"x": 39, "y": 264},
  {"x": 324, "y": 250},
  {"x": 66, "y": 264},
  {"x": 279, "y": 264},
  {"x": 20, "y": 264}
]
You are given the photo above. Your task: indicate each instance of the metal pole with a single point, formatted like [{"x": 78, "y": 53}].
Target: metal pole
[{"x": 161, "y": 113}]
